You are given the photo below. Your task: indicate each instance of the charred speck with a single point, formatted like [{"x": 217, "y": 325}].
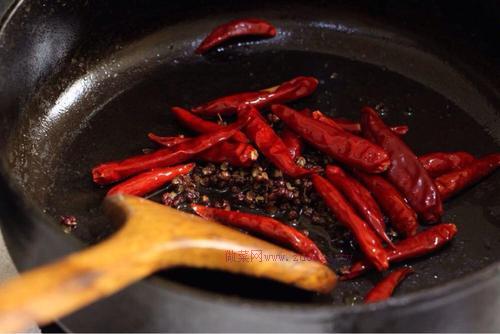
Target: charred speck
[
  {"x": 272, "y": 118},
  {"x": 68, "y": 221}
]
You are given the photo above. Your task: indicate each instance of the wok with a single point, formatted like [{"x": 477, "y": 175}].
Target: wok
[{"x": 83, "y": 81}]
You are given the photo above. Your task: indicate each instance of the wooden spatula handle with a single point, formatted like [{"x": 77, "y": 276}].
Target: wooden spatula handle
[
  {"x": 153, "y": 237},
  {"x": 57, "y": 289}
]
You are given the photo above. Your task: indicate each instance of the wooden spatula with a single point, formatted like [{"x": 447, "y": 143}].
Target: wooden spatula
[{"x": 153, "y": 237}]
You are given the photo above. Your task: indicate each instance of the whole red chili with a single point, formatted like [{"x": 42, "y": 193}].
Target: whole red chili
[
  {"x": 364, "y": 235},
  {"x": 351, "y": 150},
  {"x": 439, "y": 163},
  {"x": 400, "y": 129},
  {"x": 451, "y": 183},
  {"x": 235, "y": 28},
  {"x": 405, "y": 170},
  {"x": 385, "y": 287},
  {"x": 148, "y": 182},
  {"x": 306, "y": 112},
  {"x": 350, "y": 126},
  {"x": 227, "y": 105},
  {"x": 167, "y": 141},
  {"x": 420, "y": 244},
  {"x": 265, "y": 226},
  {"x": 288, "y": 91},
  {"x": 236, "y": 154},
  {"x": 271, "y": 145},
  {"x": 293, "y": 142},
  {"x": 116, "y": 170},
  {"x": 401, "y": 216},
  {"x": 360, "y": 198},
  {"x": 197, "y": 124}
]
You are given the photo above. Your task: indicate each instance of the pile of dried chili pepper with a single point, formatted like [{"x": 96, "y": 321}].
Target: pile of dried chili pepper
[{"x": 275, "y": 165}]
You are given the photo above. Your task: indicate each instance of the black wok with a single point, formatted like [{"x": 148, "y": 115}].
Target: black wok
[{"x": 83, "y": 81}]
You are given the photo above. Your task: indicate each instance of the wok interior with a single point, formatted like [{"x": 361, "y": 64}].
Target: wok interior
[{"x": 94, "y": 79}]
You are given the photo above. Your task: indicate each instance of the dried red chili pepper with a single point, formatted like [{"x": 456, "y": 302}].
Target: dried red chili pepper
[
  {"x": 116, "y": 170},
  {"x": 360, "y": 198},
  {"x": 420, "y": 244},
  {"x": 385, "y": 287},
  {"x": 344, "y": 124},
  {"x": 167, "y": 141},
  {"x": 399, "y": 129},
  {"x": 293, "y": 142},
  {"x": 271, "y": 145},
  {"x": 227, "y": 105},
  {"x": 236, "y": 28},
  {"x": 265, "y": 226},
  {"x": 288, "y": 91},
  {"x": 352, "y": 150},
  {"x": 236, "y": 154},
  {"x": 366, "y": 238},
  {"x": 405, "y": 171},
  {"x": 451, "y": 183},
  {"x": 350, "y": 126},
  {"x": 148, "y": 182},
  {"x": 306, "y": 112},
  {"x": 401, "y": 216},
  {"x": 197, "y": 124},
  {"x": 439, "y": 163}
]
